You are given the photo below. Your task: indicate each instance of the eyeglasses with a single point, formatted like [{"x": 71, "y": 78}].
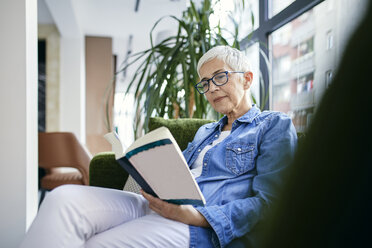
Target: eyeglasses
[{"x": 219, "y": 79}]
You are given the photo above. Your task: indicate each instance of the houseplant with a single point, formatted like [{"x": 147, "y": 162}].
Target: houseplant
[{"x": 163, "y": 83}]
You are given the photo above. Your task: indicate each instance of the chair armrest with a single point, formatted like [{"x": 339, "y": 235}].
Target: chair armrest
[{"x": 104, "y": 171}]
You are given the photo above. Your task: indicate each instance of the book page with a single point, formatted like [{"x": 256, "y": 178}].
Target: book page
[
  {"x": 116, "y": 144},
  {"x": 165, "y": 169}
]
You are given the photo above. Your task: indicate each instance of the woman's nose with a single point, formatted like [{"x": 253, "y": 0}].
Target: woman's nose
[{"x": 213, "y": 87}]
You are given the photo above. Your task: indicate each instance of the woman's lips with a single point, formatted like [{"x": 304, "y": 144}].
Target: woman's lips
[{"x": 218, "y": 99}]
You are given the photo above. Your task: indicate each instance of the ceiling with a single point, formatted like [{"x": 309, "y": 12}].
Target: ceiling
[{"x": 118, "y": 19}]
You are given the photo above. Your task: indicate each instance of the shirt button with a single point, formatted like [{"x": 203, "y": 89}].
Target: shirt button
[
  {"x": 216, "y": 135},
  {"x": 205, "y": 164},
  {"x": 239, "y": 149},
  {"x": 199, "y": 150}
]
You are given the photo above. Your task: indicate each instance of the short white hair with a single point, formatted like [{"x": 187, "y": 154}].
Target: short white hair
[{"x": 232, "y": 57}]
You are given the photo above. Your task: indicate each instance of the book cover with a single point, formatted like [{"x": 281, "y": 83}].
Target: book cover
[{"x": 157, "y": 164}]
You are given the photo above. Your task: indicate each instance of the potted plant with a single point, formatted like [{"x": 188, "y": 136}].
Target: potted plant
[{"x": 163, "y": 83}]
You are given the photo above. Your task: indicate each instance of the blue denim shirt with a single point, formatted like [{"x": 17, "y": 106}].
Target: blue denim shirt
[{"x": 241, "y": 174}]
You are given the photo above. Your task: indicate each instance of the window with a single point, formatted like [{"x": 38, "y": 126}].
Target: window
[
  {"x": 232, "y": 12},
  {"x": 302, "y": 41},
  {"x": 252, "y": 53},
  {"x": 275, "y": 6},
  {"x": 124, "y": 115},
  {"x": 293, "y": 67}
]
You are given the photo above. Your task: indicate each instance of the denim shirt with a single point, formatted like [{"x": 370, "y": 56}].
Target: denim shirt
[{"x": 240, "y": 175}]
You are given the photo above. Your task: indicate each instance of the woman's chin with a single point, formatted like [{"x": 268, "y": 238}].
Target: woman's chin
[{"x": 222, "y": 110}]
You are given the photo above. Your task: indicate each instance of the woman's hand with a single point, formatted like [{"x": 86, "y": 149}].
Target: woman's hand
[{"x": 183, "y": 213}]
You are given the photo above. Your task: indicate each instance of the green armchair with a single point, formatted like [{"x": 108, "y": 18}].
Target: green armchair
[{"x": 104, "y": 171}]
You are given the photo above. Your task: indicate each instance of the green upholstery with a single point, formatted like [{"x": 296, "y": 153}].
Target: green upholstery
[
  {"x": 104, "y": 171},
  {"x": 183, "y": 130}
]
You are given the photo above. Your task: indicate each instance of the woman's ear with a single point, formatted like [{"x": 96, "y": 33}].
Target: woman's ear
[{"x": 248, "y": 79}]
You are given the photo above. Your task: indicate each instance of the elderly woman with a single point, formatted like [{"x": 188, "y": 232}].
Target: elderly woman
[{"x": 236, "y": 161}]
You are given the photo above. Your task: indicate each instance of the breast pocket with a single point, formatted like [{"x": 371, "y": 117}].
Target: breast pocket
[{"x": 239, "y": 157}]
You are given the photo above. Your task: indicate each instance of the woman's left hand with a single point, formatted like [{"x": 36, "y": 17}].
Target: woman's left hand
[{"x": 183, "y": 213}]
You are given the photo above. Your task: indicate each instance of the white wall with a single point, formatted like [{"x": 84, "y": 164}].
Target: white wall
[
  {"x": 18, "y": 111},
  {"x": 72, "y": 82},
  {"x": 72, "y": 86}
]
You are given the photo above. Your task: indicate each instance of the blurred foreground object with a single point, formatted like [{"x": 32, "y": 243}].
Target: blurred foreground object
[{"x": 326, "y": 201}]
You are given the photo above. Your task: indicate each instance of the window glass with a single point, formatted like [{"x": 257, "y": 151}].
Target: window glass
[
  {"x": 275, "y": 6},
  {"x": 294, "y": 67},
  {"x": 305, "y": 54},
  {"x": 124, "y": 115},
  {"x": 229, "y": 13},
  {"x": 252, "y": 53}
]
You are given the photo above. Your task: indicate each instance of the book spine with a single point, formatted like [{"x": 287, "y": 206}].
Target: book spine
[
  {"x": 186, "y": 202},
  {"x": 126, "y": 164}
]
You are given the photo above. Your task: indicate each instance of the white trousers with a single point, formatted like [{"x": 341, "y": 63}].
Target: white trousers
[{"x": 83, "y": 216}]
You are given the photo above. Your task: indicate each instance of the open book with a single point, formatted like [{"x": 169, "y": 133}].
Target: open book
[{"x": 157, "y": 164}]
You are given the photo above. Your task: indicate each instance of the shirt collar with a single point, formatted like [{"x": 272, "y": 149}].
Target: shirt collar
[
  {"x": 247, "y": 117},
  {"x": 250, "y": 115}
]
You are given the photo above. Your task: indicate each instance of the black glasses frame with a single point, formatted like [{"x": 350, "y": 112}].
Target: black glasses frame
[{"x": 214, "y": 82}]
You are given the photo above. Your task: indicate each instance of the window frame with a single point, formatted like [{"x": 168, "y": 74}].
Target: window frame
[{"x": 266, "y": 27}]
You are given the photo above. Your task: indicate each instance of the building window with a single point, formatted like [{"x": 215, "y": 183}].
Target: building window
[
  {"x": 328, "y": 80},
  {"x": 329, "y": 44}
]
